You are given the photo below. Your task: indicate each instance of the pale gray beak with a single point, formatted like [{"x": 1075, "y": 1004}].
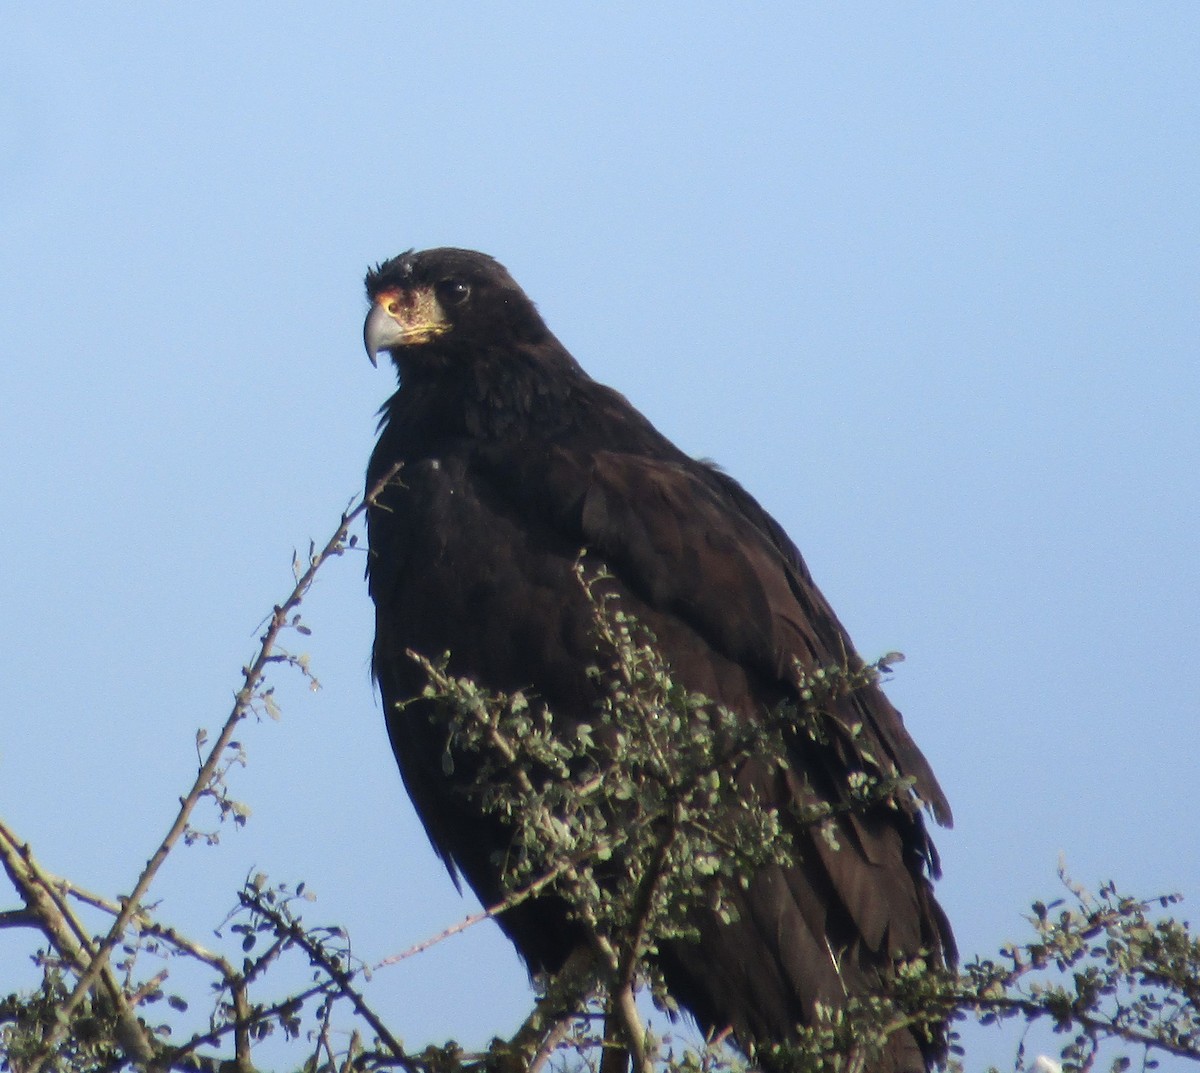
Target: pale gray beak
[{"x": 380, "y": 332}]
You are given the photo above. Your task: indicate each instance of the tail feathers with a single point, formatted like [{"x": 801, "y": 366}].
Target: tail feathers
[{"x": 796, "y": 948}]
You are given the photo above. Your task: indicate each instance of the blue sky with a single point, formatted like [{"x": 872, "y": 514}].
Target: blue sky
[{"x": 925, "y": 279}]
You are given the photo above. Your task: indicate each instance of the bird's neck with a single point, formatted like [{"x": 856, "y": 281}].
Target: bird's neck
[{"x": 514, "y": 394}]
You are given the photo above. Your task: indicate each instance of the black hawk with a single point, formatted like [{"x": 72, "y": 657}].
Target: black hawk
[{"x": 514, "y": 461}]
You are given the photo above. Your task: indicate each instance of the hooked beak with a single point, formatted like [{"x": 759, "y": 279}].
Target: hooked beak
[
  {"x": 403, "y": 318},
  {"x": 380, "y": 332}
]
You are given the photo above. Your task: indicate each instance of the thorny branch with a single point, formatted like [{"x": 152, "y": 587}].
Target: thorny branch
[
  {"x": 1108, "y": 943},
  {"x": 90, "y": 960},
  {"x": 290, "y": 930},
  {"x": 67, "y": 936}
]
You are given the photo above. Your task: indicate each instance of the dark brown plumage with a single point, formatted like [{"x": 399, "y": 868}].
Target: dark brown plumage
[{"x": 515, "y": 460}]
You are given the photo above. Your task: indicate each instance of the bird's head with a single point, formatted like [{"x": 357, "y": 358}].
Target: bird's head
[{"x": 445, "y": 302}]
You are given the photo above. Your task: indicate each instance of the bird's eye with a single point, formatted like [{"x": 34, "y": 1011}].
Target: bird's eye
[{"x": 453, "y": 292}]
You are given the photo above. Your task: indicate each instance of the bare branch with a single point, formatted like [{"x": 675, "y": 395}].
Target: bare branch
[
  {"x": 344, "y": 980},
  {"x": 68, "y": 937},
  {"x": 516, "y": 898},
  {"x": 94, "y": 964}
]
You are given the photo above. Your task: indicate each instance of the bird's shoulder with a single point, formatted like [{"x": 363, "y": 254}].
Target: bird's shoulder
[{"x": 682, "y": 537}]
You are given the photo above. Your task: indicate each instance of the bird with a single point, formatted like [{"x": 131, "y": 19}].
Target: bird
[{"x": 511, "y": 462}]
